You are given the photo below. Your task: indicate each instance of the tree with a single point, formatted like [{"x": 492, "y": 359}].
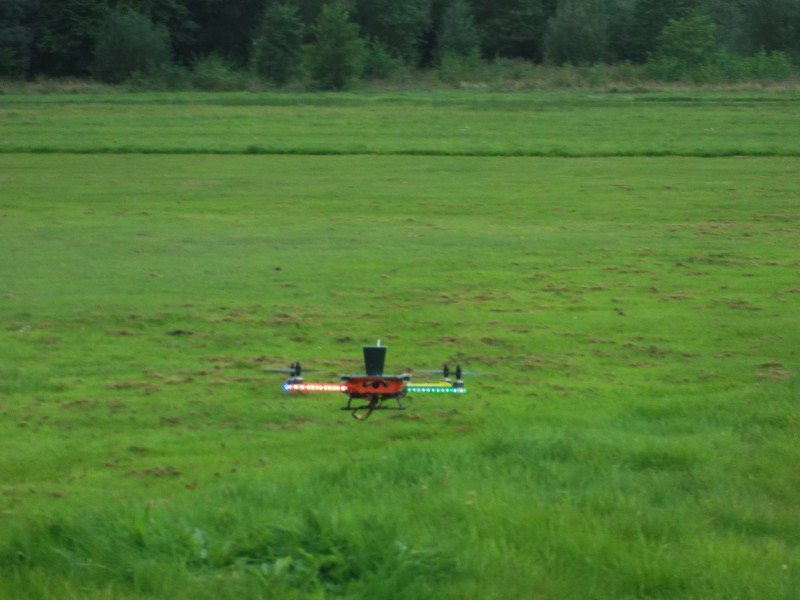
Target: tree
[
  {"x": 400, "y": 26},
  {"x": 731, "y": 22},
  {"x": 16, "y": 37},
  {"x": 335, "y": 57},
  {"x": 277, "y": 50},
  {"x": 774, "y": 25},
  {"x": 175, "y": 17},
  {"x": 619, "y": 29},
  {"x": 379, "y": 62},
  {"x": 514, "y": 28},
  {"x": 687, "y": 42},
  {"x": 225, "y": 28},
  {"x": 128, "y": 42},
  {"x": 63, "y": 36},
  {"x": 649, "y": 19},
  {"x": 458, "y": 33},
  {"x": 578, "y": 33}
]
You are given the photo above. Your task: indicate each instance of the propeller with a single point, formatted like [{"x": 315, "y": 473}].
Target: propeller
[
  {"x": 294, "y": 371},
  {"x": 445, "y": 372}
]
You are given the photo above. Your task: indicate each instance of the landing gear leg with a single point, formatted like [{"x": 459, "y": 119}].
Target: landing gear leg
[{"x": 367, "y": 408}]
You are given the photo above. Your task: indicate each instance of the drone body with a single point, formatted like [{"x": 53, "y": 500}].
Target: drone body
[{"x": 367, "y": 393}]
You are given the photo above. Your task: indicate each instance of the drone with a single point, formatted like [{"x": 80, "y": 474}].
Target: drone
[{"x": 374, "y": 390}]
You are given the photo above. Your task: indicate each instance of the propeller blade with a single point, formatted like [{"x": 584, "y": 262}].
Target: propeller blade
[
  {"x": 446, "y": 372},
  {"x": 295, "y": 370}
]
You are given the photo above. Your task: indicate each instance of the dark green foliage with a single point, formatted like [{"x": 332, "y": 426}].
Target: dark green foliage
[
  {"x": 128, "y": 42},
  {"x": 730, "y": 19},
  {"x": 15, "y": 45},
  {"x": 456, "y": 68},
  {"x": 726, "y": 67},
  {"x": 335, "y": 57},
  {"x": 687, "y": 42},
  {"x": 57, "y": 39},
  {"x": 649, "y": 19},
  {"x": 578, "y": 33},
  {"x": 64, "y": 36},
  {"x": 621, "y": 31},
  {"x": 687, "y": 49},
  {"x": 514, "y": 28},
  {"x": 400, "y": 26},
  {"x": 215, "y": 74},
  {"x": 764, "y": 66},
  {"x": 278, "y": 49},
  {"x": 458, "y": 33},
  {"x": 379, "y": 62},
  {"x": 178, "y": 19},
  {"x": 774, "y": 25},
  {"x": 225, "y": 28},
  {"x": 16, "y": 37}
]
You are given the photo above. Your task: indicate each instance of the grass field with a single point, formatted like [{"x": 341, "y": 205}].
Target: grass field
[
  {"x": 626, "y": 268},
  {"x": 442, "y": 123}
]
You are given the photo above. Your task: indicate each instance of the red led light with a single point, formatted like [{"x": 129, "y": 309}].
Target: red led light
[{"x": 314, "y": 387}]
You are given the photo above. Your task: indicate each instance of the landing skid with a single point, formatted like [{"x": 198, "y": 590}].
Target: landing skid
[{"x": 362, "y": 413}]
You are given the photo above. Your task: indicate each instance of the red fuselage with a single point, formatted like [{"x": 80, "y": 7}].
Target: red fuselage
[
  {"x": 355, "y": 386},
  {"x": 374, "y": 384}
]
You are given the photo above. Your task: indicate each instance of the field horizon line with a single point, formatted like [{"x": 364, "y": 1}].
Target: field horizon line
[{"x": 548, "y": 153}]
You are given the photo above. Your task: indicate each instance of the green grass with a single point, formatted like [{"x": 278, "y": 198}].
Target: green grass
[
  {"x": 462, "y": 124},
  {"x": 638, "y": 436}
]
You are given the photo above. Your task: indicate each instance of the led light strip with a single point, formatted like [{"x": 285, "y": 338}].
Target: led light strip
[
  {"x": 433, "y": 389},
  {"x": 314, "y": 387}
]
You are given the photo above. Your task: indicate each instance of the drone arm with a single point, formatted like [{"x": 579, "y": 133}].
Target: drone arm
[
  {"x": 433, "y": 388},
  {"x": 302, "y": 386}
]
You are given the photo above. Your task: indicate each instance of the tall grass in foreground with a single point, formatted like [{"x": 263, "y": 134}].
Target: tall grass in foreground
[{"x": 653, "y": 503}]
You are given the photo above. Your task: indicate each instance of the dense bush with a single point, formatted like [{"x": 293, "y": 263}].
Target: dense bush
[
  {"x": 458, "y": 69},
  {"x": 15, "y": 39},
  {"x": 336, "y": 57},
  {"x": 688, "y": 42},
  {"x": 578, "y": 33},
  {"x": 379, "y": 62},
  {"x": 458, "y": 34},
  {"x": 128, "y": 42},
  {"x": 400, "y": 25},
  {"x": 277, "y": 51},
  {"x": 687, "y": 50},
  {"x": 724, "y": 67},
  {"x": 215, "y": 74}
]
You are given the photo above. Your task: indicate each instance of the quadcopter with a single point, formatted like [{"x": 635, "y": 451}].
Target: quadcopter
[{"x": 370, "y": 392}]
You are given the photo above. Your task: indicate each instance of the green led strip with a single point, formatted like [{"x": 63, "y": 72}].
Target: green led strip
[{"x": 433, "y": 389}]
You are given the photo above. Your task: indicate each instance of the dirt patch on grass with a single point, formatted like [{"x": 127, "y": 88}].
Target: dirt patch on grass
[{"x": 161, "y": 471}]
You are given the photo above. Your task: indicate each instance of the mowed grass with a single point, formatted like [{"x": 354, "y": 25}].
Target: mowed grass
[
  {"x": 637, "y": 436},
  {"x": 455, "y": 123}
]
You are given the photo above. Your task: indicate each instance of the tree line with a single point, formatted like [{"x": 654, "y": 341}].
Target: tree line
[{"x": 333, "y": 42}]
